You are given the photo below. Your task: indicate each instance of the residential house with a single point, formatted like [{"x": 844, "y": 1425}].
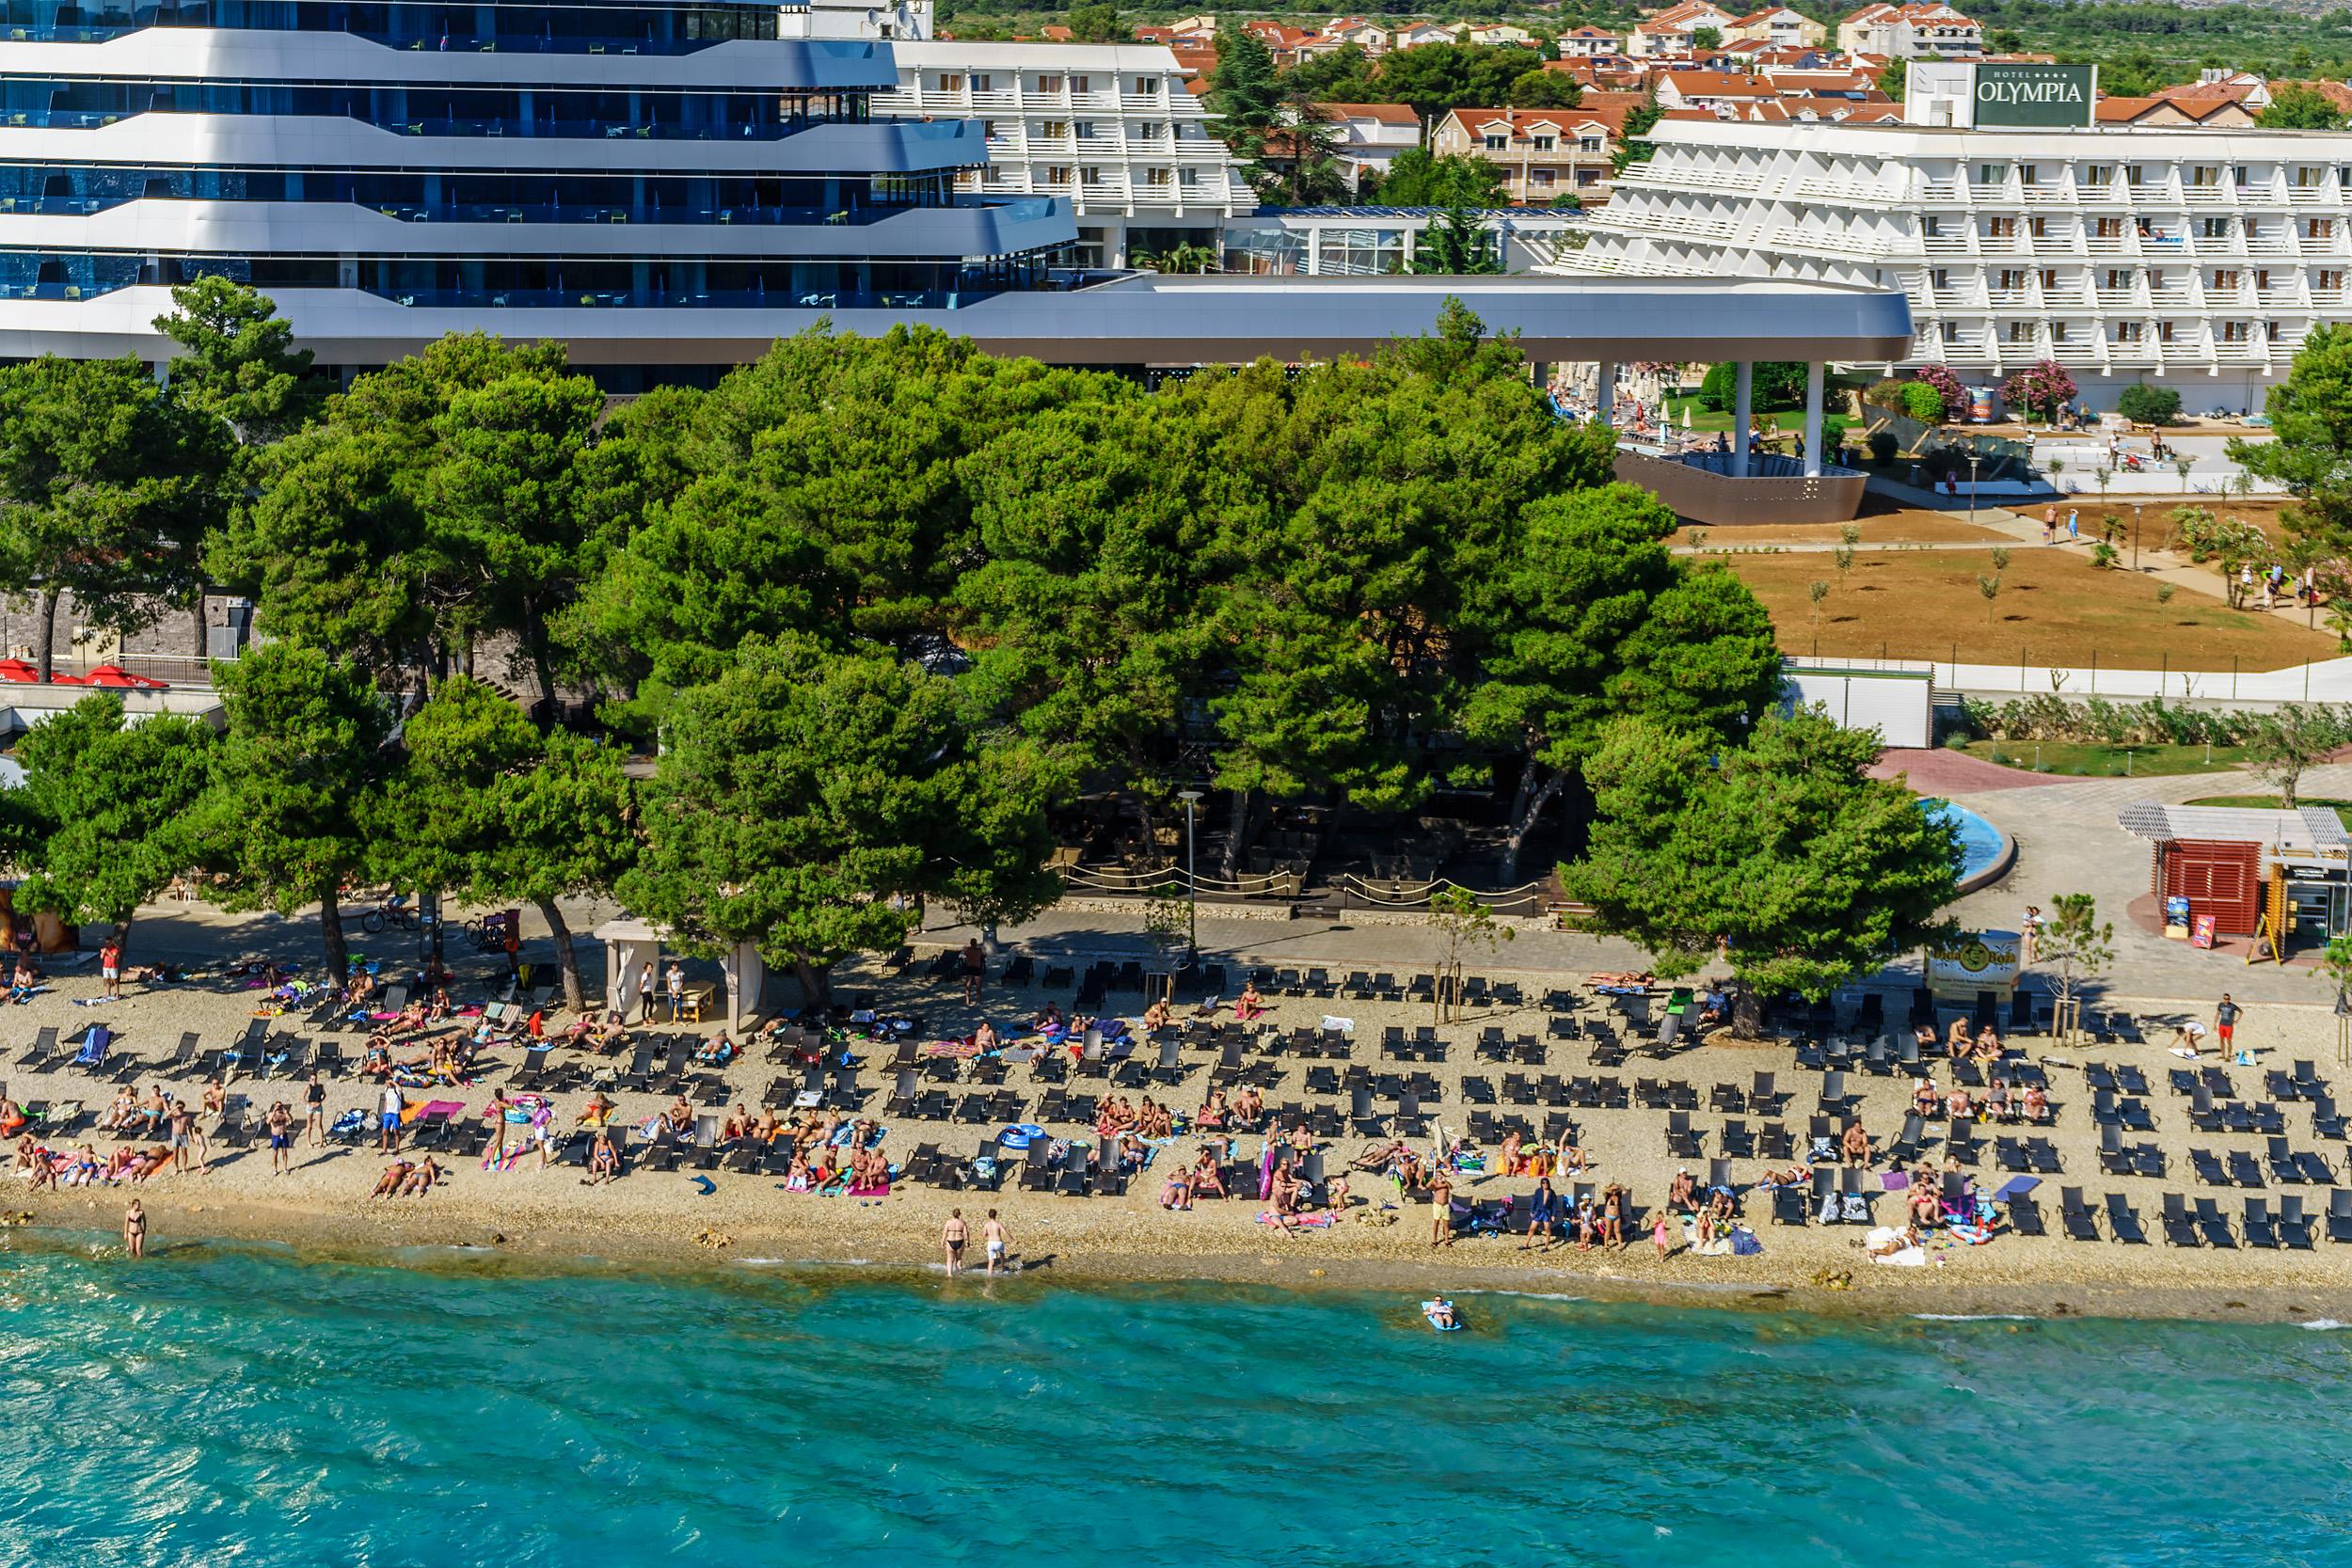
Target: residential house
[
  {"x": 1426, "y": 32},
  {"x": 1501, "y": 33},
  {"x": 1586, "y": 43},
  {"x": 1544, "y": 154},
  {"x": 1674, "y": 30},
  {"x": 1368, "y": 36},
  {"x": 1374, "y": 135},
  {"x": 2214, "y": 111},
  {"x": 1282, "y": 41},
  {"x": 1911, "y": 32},
  {"x": 1778, "y": 24},
  {"x": 1717, "y": 90}
]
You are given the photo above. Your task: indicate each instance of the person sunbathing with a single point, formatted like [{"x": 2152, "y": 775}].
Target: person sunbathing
[
  {"x": 1249, "y": 1006},
  {"x": 146, "y": 1164},
  {"x": 1156, "y": 1016},
  {"x": 2037, "y": 1103},
  {"x": 604, "y": 1160},
  {"x": 1926, "y": 1207},
  {"x": 1568, "y": 1154},
  {"x": 1680, "y": 1191},
  {"x": 798, "y": 1179},
  {"x": 215, "y": 1098},
  {"x": 1923, "y": 1098},
  {"x": 737, "y": 1125},
  {"x": 408, "y": 1020},
  {"x": 120, "y": 1163},
  {"x": 768, "y": 1127},
  {"x": 153, "y": 1110},
  {"x": 1176, "y": 1192},
  {"x": 389, "y": 1184},
  {"x": 1048, "y": 1023},
  {"x": 1958, "y": 1105},
  {"x": 1855, "y": 1146},
  {"x": 420, "y": 1180},
  {"x": 1924, "y": 1037},
  {"x": 83, "y": 1169},
  {"x": 1506, "y": 1158},
  {"x": 985, "y": 1037},
  {"x": 595, "y": 1113},
  {"x": 1248, "y": 1107},
  {"x": 377, "y": 1063},
  {"x": 1795, "y": 1176},
  {"x": 719, "y": 1051},
  {"x": 1206, "y": 1177},
  {"x": 1212, "y": 1111},
  {"x": 1619, "y": 977},
  {"x": 122, "y": 1111},
  {"x": 12, "y": 1118},
  {"x": 1154, "y": 1120},
  {"x": 1998, "y": 1107},
  {"x": 1988, "y": 1045},
  {"x": 1289, "y": 1191},
  {"x": 866, "y": 1132},
  {"x": 1956, "y": 1040},
  {"x": 438, "y": 1008}
]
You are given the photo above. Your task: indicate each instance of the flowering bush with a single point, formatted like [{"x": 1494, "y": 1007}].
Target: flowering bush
[
  {"x": 1947, "y": 387},
  {"x": 2039, "y": 389}
]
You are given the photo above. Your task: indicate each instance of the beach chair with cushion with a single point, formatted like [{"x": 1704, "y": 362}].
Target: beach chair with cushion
[{"x": 2179, "y": 1229}]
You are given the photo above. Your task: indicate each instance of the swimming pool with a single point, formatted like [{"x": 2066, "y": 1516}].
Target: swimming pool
[{"x": 1985, "y": 851}]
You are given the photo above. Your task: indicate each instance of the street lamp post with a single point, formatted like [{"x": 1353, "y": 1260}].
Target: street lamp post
[
  {"x": 1974, "y": 458},
  {"x": 1191, "y": 798}
]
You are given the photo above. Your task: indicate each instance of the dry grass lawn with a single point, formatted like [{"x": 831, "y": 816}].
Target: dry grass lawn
[
  {"x": 1900, "y": 525},
  {"x": 2054, "y": 607}
]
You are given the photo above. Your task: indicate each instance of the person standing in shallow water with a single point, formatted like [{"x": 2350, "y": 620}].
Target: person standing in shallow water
[
  {"x": 134, "y": 1229},
  {"x": 952, "y": 1237}
]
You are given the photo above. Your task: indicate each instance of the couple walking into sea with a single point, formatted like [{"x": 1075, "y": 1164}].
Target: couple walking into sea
[{"x": 994, "y": 1240}]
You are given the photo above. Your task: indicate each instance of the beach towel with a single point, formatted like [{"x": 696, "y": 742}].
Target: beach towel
[{"x": 883, "y": 1191}]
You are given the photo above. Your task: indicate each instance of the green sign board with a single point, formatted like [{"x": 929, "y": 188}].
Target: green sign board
[{"x": 2034, "y": 95}]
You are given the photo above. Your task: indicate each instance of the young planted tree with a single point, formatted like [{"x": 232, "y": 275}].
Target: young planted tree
[
  {"x": 2230, "y": 545},
  {"x": 1463, "y": 924},
  {"x": 2280, "y": 745},
  {"x": 2075, "y": 945},
  {"x": 286, "y": 820},
  {"x": 108, "y": 808},
  {"x": 1781, "y": 853}
]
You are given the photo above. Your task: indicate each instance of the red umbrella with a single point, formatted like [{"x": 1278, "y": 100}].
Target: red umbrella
[
  {"x": 63, "y": 679},
  {"x": 16, "y": 669},
  {"x": 114, "y": 675}
]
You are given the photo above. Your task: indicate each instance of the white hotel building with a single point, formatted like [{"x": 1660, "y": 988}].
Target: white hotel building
[
  {"x": 2195, "y": 257},
  {"x": 1110, "y": 129}
]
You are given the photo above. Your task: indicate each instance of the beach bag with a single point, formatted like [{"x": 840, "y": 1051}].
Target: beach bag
[
  {"x": 1824, "y": 1153},
  {"x": 1744, "y": 1244},
  {"x": 1856, "y": 1211},
  {"x": 1829, "y": 1209}
]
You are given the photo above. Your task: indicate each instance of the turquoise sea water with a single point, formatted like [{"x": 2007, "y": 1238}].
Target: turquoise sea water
[{"x": 219, "y": 1406}]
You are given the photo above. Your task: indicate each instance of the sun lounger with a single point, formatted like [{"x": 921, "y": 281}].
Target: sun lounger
[
  {"x": 2260, "y": 1229},
  {"x": 2214, "y": 1225},
  {"x": 2122, "y": 1224},
  {"x": 2294, "y": 1226},
  {"x": 2076, "y": 1219},
  {"x": 2179, "y": 1229}
]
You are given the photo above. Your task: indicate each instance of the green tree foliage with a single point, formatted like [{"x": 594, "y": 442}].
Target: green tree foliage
[
  {"x": 109, "y": 806},
  {"x": 1805, "y": 872},
  {"x": 2310, "y": 452},
  {"x": 440, "y": 500},
  {"x": 1297, "y": 164},
  {"x": 2296, "y": 107},
  {"x": 1432, "y": 78},
  {"x": 804, "y": 796},
  {"x": 2229, "y": 543},
  {"x": 1772, "y": 383},
  {"x": 487, "y": 809},
  {"x": 1705, "y": 39},
  {"x": 2144, "y": 405},
  {"x": 1594, "y": 618},
  {"x": 2296, "y": 736},
  {"x": 1454, "y": 244},
  {"x": 1418, "y": 177},
  {"x": 1895, "y": 79},
  {"x": 295, "y": 781},
  {"x": 1242, "y": 89},
  {"x": 1097, "y": 24},
  {"x": 1543, "y": 89},
  {"x": 1634, "y": 145},
  {"x": 107, "y": 482},
  {"x": 237, "y": 359}
]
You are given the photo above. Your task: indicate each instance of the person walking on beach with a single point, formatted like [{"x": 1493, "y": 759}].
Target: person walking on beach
[
  {"x": 995, "y": 1241},
  {"x": 1440, "y": 1208},
  {"x": 134, "y": 1229},
  {"x": 494, "y": 1150},
  {"x": 314, "y": 1109},
  {"x": 951, "y": 1237},
  {"x": 110, "y": 967},
  {"x": 975, "y": 971},
  {"x": 644, "y": 991}
]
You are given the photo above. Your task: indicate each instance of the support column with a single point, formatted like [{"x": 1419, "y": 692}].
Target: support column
[
  {"x": 1814, "y": 377},
  {"x": 1605, "y": 390},
  {"x": 1742, "y": 388}
]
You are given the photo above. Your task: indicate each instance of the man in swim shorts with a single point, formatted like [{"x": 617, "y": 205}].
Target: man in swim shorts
[
  {"x": 996, "y": 1239},
  {"x": 952, "y": 1237},
  {"x": 388, "y": 1119}
]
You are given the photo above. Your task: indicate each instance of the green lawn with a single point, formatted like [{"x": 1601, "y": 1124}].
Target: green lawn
[
  {"x": 2081, "y": 759},
  {"x": 1791, "y": 418},
  {"x": 2270, "y": 801}
]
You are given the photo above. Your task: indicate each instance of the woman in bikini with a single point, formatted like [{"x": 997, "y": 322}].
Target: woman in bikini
[
  {"x": 1250, "y": 1006},
  {"x": 1211, "y": 1114}
]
